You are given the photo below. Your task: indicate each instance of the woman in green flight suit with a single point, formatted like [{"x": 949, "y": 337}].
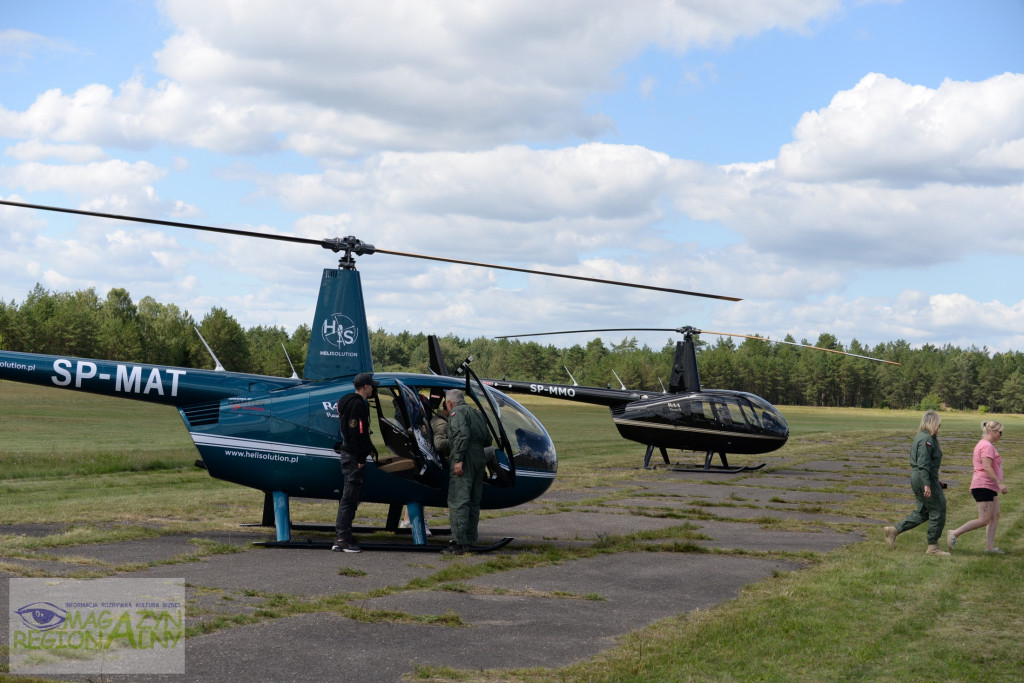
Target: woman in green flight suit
[{"x": 925, "y": 458}]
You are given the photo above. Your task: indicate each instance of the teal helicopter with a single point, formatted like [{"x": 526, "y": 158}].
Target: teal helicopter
[{"x": 278, "y": 435}]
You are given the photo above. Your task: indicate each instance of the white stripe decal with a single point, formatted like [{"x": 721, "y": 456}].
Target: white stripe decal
[
  {"x": 201, "y": 439},
  {"x": 539, "y": 474},
  {"x": 218, "y": 441},
  {"x": 717, "y": 432}
]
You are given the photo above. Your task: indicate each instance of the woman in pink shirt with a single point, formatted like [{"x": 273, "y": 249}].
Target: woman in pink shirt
[{"x": 986, "y": 485}]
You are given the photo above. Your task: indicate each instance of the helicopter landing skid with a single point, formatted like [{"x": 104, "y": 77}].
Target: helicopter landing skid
[
  {"x": 304, "y": 526},
  {"x": 724, "y": 468},
  {"x": 311, "y": 544}
]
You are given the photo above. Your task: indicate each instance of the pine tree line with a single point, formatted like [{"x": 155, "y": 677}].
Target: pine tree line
[{"x": 81, "y": 324}]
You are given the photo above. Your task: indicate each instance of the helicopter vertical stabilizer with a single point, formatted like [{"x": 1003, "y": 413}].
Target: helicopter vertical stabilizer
[
  {"x": 339, "y": 341},
  {"x": 437, "y": 364},
  {"x": 685, "y": 376}
]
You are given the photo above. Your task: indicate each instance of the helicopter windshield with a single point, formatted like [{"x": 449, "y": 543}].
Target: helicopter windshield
[
  {"x": 746, "y": 412},
  {"x": 530, "y": 443},
  {"x": 535, "y": 448}
]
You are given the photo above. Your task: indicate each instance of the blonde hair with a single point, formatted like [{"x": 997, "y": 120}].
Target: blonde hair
[
  {"x": 989, "y": 426},
  {"x": 930, "y": 422}
]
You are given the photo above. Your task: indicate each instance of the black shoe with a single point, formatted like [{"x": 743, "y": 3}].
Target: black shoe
[
  {"x": 454, "y": 549},
  {"x": 346, "y": 547}
]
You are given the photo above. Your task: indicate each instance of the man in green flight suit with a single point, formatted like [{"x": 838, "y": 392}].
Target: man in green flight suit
[{"x": 468, "y": 436}]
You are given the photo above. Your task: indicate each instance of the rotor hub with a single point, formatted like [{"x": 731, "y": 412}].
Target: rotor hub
[
  {"x": 687, "y": 332},
  {"x": 351, "y": 246}
]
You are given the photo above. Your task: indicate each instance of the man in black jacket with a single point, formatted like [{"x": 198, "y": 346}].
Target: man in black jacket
[{"x": 354, "y": 413}]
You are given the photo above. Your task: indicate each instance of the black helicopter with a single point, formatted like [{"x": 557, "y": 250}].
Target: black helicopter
[
  {"x": 685, "y": 417},
  {"x": 278, "y": 435}
]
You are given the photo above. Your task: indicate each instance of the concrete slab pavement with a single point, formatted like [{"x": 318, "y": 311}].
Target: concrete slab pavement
[{"x": 547, "y": 615}]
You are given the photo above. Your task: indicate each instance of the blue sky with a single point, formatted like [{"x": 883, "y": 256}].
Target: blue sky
[{"x": 855, "y": 168}]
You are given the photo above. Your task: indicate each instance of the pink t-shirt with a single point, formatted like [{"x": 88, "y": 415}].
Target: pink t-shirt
[{"x": 980, "y": 480}]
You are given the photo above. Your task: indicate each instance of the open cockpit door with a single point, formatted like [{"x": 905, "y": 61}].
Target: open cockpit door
[
  {"x": 504, "y": 473},
  {"x": 405, "y": 429}
]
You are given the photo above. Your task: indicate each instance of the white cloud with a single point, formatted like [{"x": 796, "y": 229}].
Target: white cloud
[
  {"x": 422, "y": 117},
  {"x": 859, "y": 224},
  {"x": 342, "y": 79},
  {"x": 33, "y": 150},
  {"x": 18, "y": 47},
  {"x": 885, "y": 129},
  {"x": 94, "y": 179},
  {"x": 942, "y": 318},
  {"x": 888, "y": 175}
]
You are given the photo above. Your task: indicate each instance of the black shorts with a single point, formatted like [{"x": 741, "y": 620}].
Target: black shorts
[{"x": 984, "y": 495}]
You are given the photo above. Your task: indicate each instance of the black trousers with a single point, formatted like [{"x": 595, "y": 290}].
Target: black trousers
[{"x": 354, "y": 477}]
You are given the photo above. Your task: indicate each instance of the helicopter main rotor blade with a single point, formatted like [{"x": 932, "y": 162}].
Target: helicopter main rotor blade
[
  {"x": 605, "y": 329},
  {"x": 360, "y": 248},
  {"x": 804, "y": 346},
  {"x": 562, "y": 275},
  {"x": 173, "y": 224},
  {"x": 693, "y": 330}
]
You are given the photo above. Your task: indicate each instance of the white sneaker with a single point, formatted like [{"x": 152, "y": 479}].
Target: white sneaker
[
  {"x": 427, "y": 527},
  {"x": 951, "y": 539},
  {"x": 403, "y": 524}
]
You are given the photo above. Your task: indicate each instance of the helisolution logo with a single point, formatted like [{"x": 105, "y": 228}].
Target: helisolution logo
[{"x": 339, "y": 331}]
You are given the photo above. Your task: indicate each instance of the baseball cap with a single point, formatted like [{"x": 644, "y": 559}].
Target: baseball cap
[{"x": 364, "y": 378}]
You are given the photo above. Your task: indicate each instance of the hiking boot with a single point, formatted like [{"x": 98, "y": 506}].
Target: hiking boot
[
  {"x": 454, "y": 549},
  {"x": 890, "y": 536},
  {"x": 951, "y": 539},
  {"x": 342, "y": 546},
  {"x": 934, "y": 549}
]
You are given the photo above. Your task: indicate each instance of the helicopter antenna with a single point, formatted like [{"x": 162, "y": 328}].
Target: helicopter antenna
[
  {"x": 295, "y": 375},
  {"x": 353, "y": 247},
  {"x": 574, "y": 382},
  {"x": 620, "y": 381},
  {"x": 663, "y": 390},
  {"x": 219, "y": 368}
]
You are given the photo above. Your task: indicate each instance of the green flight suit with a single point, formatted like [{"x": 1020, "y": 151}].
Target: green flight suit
[
  {"x": 468, "y": 436},
  {"x": 925, "y": 458}
]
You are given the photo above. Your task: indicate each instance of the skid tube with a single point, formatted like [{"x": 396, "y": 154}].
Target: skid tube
[
  {"x": 724, "y": 468},
  {"x": 311, "y": 544}
]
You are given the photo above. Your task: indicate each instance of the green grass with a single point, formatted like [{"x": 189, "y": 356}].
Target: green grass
[
  {"x": 804, "y": 421},
  {"x": 55, "y": 432},
  {"x": 104, "y": 469}
]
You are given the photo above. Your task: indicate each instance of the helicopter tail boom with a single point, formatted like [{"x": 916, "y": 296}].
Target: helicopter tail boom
[
  {"x": 152, "y": 383},
  {"x": 569, "y": 392}
]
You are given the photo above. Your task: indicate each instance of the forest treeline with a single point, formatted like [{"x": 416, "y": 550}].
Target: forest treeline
[{"x": 83, "y": 324}]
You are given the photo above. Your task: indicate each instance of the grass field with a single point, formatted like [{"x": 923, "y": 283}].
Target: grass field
[{"x": 103, "y": 469}]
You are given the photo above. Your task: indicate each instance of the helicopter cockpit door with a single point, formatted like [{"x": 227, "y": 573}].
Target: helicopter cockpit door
[
  {"x": 408, "y": 438},
  {"x": 504, "y": 474}
]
